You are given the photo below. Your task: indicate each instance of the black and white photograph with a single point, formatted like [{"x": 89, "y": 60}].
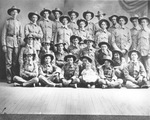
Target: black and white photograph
[{"x": 74, "y": 59}]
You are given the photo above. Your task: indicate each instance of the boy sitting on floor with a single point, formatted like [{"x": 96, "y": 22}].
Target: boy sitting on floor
[
  {"x": 88, "y": 76},
  {"x": 48, "y": 72},
  {"x": 28, "y": 71}
]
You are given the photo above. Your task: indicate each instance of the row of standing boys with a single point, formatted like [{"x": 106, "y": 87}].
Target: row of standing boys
[{"x": 77, "y": 52}]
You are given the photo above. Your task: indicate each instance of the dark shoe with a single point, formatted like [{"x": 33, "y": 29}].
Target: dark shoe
[
  {"x": 58, "y": 85},
  {"x": 9, "y": 82},
  {"x": 104, "y": 86},
  {"x": 73, "y": 85}
]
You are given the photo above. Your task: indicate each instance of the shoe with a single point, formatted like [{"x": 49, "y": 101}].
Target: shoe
[
  {"x": 9, "y": 82},
  {"x": 34, "y": 85},
  {"x": 16, "y": 84},
  {"x": 51, "y": 85},
  {"x": 39, "y": 84},
  {"x": 73, "y": 85},
  {"x": 93, "y": 86},
  {"x": 58, "y": 85},
  {"x": 88, "y": 85},
  {"x": 104, "y": 86}
]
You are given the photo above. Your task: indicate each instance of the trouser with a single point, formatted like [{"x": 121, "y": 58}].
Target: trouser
[
  {"x": 51, "y": 80},
  {"x": 146, "y": 62},
  {"x": 25, "y": 82},
  {"x": 111, "y": 83},
  {"x": 67, "y": 82},
  {"x": 11, "y": 57}
]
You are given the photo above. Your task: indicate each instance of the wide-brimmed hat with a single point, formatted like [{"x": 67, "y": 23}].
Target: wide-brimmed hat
[
  {"x": 57, "y": 10},
  {"x": 89, "y": 39},
  {"x": 117, "y": 51},
  {"x": 102, "y": 43},
  {"x": 60, "y": 42},
  {"x": 134, "y": 17},
  {"x": 33, "y": 13},
  {"x": 106, "y": 21},
  {"x": 74, "y": 37},
  {"x": 108, "y": 58},
  {"x": 86, "y": 12},
  {"x": 144, "y": 17},
  {"x": 45, "y": 55},
  {"x": 100, "y": 13},
  {"x": 28, "y": 36},
  {"x": 73, "y": 11},
  {"x": 110, "y": 18},
  {"x": 82, "y": 20},
  {"x": 124, "y": 17},
  {"x": 130, "y": 52},
  {"x": 45, "y": 10},
  {"x": 13, "y": 8},
  {"x": 64, "y": 16},
  {"x": 70, "y": 56},
  {"x": 86, "y": 57}
]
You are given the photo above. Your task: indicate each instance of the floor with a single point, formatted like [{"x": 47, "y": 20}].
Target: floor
[{"x": 74, "y": 102}]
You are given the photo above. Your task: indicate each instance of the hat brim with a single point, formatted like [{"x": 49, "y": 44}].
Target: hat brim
[
  {"x": 74, "y": 37},
  {"x": 116, "y": 51},
  {"x": 70, "y": 12},
  {"x": 11, "y": 9},
  {"x": 130, "y": 52},
  {"x": 106, "y": 21},
  {"x": 59, "y": 44},
  {"x": 143, "y": 19},
  {"x": 70, "y": 56},
  {"x": 124, "y": 17},
  {"x": 45, "y": 55},
  {"x": 25, "y": 55},
  {"x": 84, "y": 14},
  {"x": 85, "y": 41},
  {"x": 103, "y": 43},
  {"x": 99, "y": 15},
  {"x": 132, "y": 18},
  {"x": 31, "y": 14},
  {"x": 45, "y": 10},
  {"x": 103, "y": 61},
  {"x": 82, "y": 20},
  {"x": 53, "y": 11},
  {"x": 26, "y": 38},
  {"x": 62, "y": 17},
  {"x": 110, "y": 18},
  {"x": 86, "y": 57}
]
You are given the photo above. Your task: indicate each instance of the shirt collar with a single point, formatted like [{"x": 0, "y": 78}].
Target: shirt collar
[
  {"x": 137, "y": 28},
  {"x": 33, "y": 23}
]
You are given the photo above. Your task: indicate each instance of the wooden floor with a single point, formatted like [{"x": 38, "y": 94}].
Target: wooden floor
[{"x": 70, "y": 101}]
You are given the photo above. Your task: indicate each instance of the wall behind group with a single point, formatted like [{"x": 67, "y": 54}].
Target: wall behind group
[{"x": 108, "y": 6}]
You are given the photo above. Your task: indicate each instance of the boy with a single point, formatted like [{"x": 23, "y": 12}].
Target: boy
[
  {"x": 28, "y": 71},
  {"x": 107, "y": 76},
  {"x": 48, "y": 72},
  {"x": 134, "y": 72},
  {"x": 70, "y": 72}
]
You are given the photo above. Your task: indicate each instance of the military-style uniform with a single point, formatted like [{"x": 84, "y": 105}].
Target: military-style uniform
[
  {"x": 113, "y": 28},
  {"x": 91, "y": 28},
  {"x": 102, "y": 36},
  {"x": 47, "y": 29},
  {"x": 132, "y": 72},
  {"x": 73, "y": 26},
  {"x": 11, "y": 39}
]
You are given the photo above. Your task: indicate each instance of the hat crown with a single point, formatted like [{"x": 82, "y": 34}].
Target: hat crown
[
  {"x": 57, "y": 9},
  {"x": 13, "y": 7},
  {"x": 135, "y": 15},
  {"x": 100, "y": 13},
  {"x": 29, "y": 36},
  {"x": 107, "y": 57}
]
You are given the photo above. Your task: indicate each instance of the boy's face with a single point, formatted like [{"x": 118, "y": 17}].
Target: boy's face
[
  {"x": 46, "y": 14},
  {"x": 57, "y": 15},
  {"x": 135, "y": 22},
  {"x": 88, "y": 16},
  {"x": 82, "y": 24},
  {"x": 104, "y": 47},
  {"x": 29, "y": 58},
  {"x": 14, "y": 13},
  {"x": 70, "y": 60},
  {"x": 144, "y": 23},
  {"x": 84, "y": 61},
  {"x": 34, "y": 18},
  {"x": 75, "y": 41},
  {"x": 122, "y": 21},
  {"x": 116, "y": 56},
  {"x": 103, "y": 25},
  {"x": 107, "y": 63},
  {"x": 30, "y": 41},
  {"x": 47, "y": 59},
  {"x": 134, "y": 56},
  {"x": 73, "y": 16},
  {"x": 60, "y": 47},
  {"x": 65, "y": 21},
  {"x": 89, "y": 43},
  {"x": 47, "y": 46},
  {"x": 114, "y": 20}
]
